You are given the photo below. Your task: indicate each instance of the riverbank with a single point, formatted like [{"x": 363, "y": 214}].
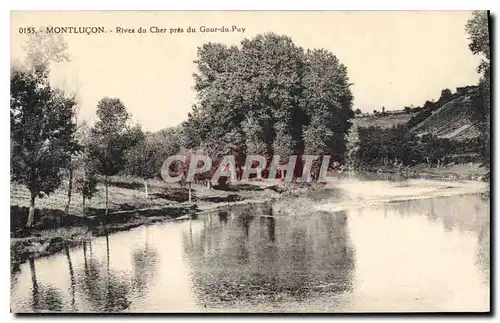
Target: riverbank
[
  {"x": 52, "y": 241},
  {"x": 130, "y": 208},
  {"x": 469, "y": 171}
]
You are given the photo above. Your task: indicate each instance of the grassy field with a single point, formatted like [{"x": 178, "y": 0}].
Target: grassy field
[
  {"x": 375, "y": 121},
  {"x": 127, "y": 193},
  {"x": 386, "y": 121},
  {"x": 127, "y": 203}
]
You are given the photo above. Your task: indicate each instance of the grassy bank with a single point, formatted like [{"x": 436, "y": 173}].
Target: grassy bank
[
  {"x": 53, "y": 230},
  {"x": 129, "y": 207}
]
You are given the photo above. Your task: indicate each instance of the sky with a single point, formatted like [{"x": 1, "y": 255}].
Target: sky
[{"x": 394, "y": 59}]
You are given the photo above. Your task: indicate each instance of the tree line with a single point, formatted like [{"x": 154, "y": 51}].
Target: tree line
[
  {"x": 398, "y": 146},
  {"x": 267, "y": 97}
]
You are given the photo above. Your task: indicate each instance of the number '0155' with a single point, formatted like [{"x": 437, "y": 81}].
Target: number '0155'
[{"x": 27, "y": 30}]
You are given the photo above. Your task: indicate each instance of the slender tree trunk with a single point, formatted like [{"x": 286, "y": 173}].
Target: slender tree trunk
[
  {"x": 106, "y": 185},
  {"x": 107, "y": 248},
  {"x": 70, "y": 189},
  {"x": 31, "y": 213},
  {"x": 146, "y": 188},
  {"x": 83, "y": 206},
  {"x": 189, "y": 188}
]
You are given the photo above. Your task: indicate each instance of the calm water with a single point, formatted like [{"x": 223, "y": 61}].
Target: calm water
[{"x": 415, "y": 255}]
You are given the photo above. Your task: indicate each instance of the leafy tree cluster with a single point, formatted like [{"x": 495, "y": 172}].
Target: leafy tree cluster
[
  {"x": 268, "y": 97},
  {"x": 111, "y": 138},
  {"x": 47, "y": 143},
  {"x": 398, "y": 146}
]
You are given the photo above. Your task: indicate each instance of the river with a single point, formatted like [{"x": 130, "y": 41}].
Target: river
[{"x": 357, "y": 246}]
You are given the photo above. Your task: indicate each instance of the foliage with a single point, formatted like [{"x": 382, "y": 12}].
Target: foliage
[
  {"x": 145, "y": 159},
  {"x": 268, "y": 97},
  {"x": 421, "y": 113},
  {"x": 477, "y": 29},
  {"x": 419, "y": 117},
  {"x": 111, "y": 136},
  {"x": 446, "y": 96},
  {"x": 398, "y": 146},
  {"x": 42, "y": 133},
  {"x": 42, "y": 49},
  {"x": 86, "y": 183}
]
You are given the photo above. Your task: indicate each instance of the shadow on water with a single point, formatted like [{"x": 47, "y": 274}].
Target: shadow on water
[{"x": 248, "y": 260}]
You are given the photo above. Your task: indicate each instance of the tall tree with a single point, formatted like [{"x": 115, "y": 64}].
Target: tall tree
[
  {"x": 42, "y": 49},
  {"x": 86, "y": 179},
  {"x": 145, "y": 160},
  {"x": 477, "y": 28},
  {"x": 328, "y": 105},
  {"x": 111, "y": 136},
  {"x": 42, "y": 134},
  {"x": 258, "y": 98}
]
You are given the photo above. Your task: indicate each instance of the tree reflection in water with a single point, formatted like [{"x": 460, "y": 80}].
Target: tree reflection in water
[
  {"x": 44, "y": 297},
  {"x": 104, "y": 289},
  {"x": 71, "y": 278},
  {"x": 241, "y": 262},
  {"x": 145, "y": 262}
]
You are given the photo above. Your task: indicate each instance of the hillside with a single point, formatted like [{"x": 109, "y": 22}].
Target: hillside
[
  {"x": 451, "y": 121},
  {"x": 451, "y": 118}
]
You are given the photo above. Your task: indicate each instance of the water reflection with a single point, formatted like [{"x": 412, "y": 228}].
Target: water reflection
[
  {"x": 145, "y": 263},
  {"x": 428, "y": 254},
  {"x": 44, "y": 297},
  {"x": 105, "y": 289},
  {"x": 269, "y": 260},
  {"x": 71, "y": 278}
]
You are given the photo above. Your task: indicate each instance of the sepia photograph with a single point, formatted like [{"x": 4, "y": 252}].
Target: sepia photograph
[{"x": 250, "y": 162}]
